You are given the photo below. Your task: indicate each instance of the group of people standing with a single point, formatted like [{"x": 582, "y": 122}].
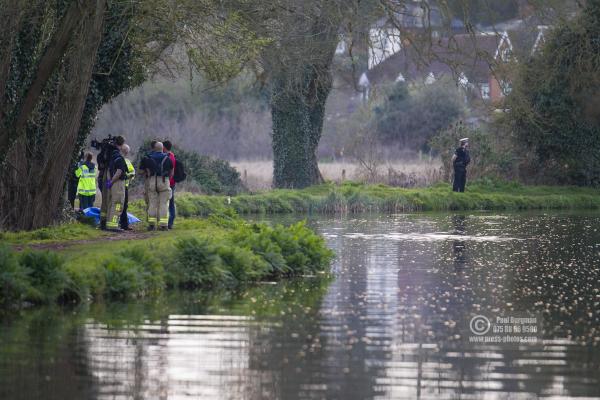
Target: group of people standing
[
  {"x": 115, "y": 173},
  {"x": 113, "y": 176}
]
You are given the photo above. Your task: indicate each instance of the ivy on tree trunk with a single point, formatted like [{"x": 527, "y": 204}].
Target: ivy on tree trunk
[
  {"x": 298, "y": 113},
  {"x": 34, "y": 169}
]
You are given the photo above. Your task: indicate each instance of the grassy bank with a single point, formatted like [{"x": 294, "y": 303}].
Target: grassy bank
[
  {"x": 221, "y": 251},
  {"x": 356, "y": 198}
]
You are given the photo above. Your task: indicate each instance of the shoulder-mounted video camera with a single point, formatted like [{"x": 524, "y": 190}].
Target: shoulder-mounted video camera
[
  {"x": 106, "y": 147},
  {"x": 109, "y": 141}
]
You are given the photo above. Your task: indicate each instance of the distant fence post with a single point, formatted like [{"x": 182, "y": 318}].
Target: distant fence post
[
  {"x": 343, "y": 175},
  {"x": 245, "y": 176}
]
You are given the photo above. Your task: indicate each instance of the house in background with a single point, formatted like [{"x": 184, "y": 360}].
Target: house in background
[
  {"x": 416, "y": 16},
  {"x": 481, "y": 63}
]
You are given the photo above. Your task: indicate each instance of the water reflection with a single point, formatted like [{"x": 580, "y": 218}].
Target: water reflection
[
  {"x": 388, "y": 326},
  {"x": 458, "y": 246}
]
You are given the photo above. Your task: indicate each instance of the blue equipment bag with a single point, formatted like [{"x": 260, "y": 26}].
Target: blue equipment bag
[{"x": 94, "y": 212}]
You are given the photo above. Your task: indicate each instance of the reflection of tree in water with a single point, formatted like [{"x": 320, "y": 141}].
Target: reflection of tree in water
[
  {"x": 348, "y": 311},
  {"x": 334, "y": 350},
  {"x": 285, "y": 345},
  {"x": 458, "y": 246},
  {"x": 39, "y": 358}
]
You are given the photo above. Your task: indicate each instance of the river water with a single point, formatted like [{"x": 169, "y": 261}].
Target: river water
[{"x": 392, "y": 322}]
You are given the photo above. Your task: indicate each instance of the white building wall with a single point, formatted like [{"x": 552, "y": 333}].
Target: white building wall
[{"x": 384, "y": 42}]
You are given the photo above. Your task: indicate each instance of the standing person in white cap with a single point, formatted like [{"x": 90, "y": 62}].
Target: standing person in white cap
[{"x": 460, "y": 160}]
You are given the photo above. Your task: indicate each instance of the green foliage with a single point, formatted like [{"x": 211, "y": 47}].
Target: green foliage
[
  {"x": 87, "y": 280},
  {"x": 151, "y": 268},
  {"x": 259, "y": 239},
  {"x": 356, "y": 198},
  {"x": 288, "y": 250},
  {"x": 123, "y": 277},
  {"x": 223, "y": 250},
  {"x": 303, "y": 251},
  {"x": 490, "y": 156},
  {"x": 68, "y": 231},
  {"x": 242, "y": 264},
  {"x": 409, "y": 118},
  {"x": 133, "y": 272},
  {"x": 553, "y": 115},
  {"x": 118, "y": 68},
  {"x": 13, "y": 279},
  {"x": 214, "y": 176},
  {"x": 197, "y": 263},
  {"x": 45, "y": 275},
  {"x": 227, "y": 60}
]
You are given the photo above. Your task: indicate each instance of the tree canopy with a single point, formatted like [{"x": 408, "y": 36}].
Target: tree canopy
[{"x": 553, "y": 110}]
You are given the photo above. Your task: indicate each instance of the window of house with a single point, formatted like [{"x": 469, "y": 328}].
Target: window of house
[
  {"x": 505, "y": 54},
  {"x": 341, "y": 47},
  {"x": 463, "y": 81},
  {"x": 485, "y": 90},
  {"x": 430, "y": 79},
  {"x": 506, "y": 87}
]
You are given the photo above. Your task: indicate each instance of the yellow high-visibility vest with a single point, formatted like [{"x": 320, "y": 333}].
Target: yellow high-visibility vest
[
  {"x": 87, "y": 180},
  {"x": 130, "y": 174}
]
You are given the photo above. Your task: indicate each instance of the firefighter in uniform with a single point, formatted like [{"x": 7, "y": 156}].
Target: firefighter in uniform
[
  {"x": 115, "y": 188},
  {"x": 129, "y": 175},
  {"x": 157, "y": 169},
  {"x": 86, "y": 187}
]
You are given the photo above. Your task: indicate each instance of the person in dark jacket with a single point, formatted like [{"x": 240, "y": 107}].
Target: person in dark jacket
[
  {"x": 115, "y": 187},
  {"x": 460, "y": 161},
  {"x": 105, "y": 159},
  {"x": 167, "y": 146},
  {"x": 157, "y": 169}
]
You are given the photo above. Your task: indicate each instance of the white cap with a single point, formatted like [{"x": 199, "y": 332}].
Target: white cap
[{"x": 464, "y": 140}]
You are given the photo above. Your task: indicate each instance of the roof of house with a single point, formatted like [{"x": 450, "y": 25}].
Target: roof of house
[
  {"x": 463, "y": 55},
  {"x": 466, "y": 54}
]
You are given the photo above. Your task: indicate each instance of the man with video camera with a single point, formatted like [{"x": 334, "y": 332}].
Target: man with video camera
[{"x": 112, "y": 168}]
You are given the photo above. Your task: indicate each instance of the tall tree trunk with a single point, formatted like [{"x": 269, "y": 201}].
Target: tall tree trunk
[
  {"x": 298, "y": 113},
  {"x": 10, "y": 13},
  {"x": 301, "y": 82},
  {"x": 33, "y": 183},
  {"x": 46, "y": 68}
]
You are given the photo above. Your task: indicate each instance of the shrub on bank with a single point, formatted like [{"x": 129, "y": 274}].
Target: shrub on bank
[
  {"x": 32, "y": 276},
  {"x": 246, "y": 253},
  {"x": 13, "y": 278},
  {"x": 196, "y": 263},
  {"x": 46, "y": 276}
]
